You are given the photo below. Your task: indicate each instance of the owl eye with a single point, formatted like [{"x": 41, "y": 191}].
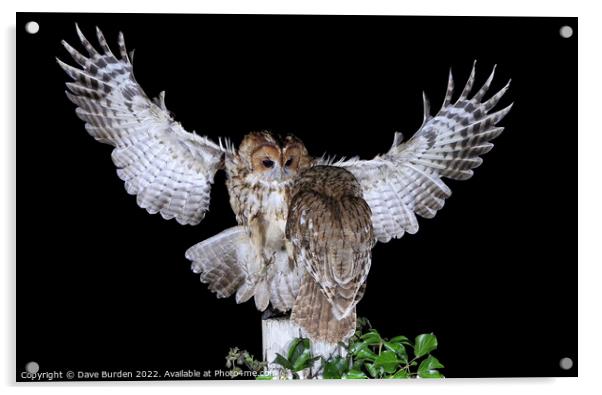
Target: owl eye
[
  {"x": 288, "y": 162},
  {"x": 268, "y": 163}
]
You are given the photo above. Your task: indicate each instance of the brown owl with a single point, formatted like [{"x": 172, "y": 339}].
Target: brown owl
[{"x": 306, "y": 226}]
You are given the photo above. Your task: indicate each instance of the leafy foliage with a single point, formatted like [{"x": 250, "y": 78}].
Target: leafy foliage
[
  {"x": 237, "y": 359},
  {"x": 367, "y": 355}
]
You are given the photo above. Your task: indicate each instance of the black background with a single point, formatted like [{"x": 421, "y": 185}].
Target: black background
[{"x": 102, "y": 285}]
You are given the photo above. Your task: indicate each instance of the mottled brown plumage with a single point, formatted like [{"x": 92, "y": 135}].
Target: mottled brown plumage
[
  {"x": 330, "y": 227},
  {"x": 306, "y": 226}
]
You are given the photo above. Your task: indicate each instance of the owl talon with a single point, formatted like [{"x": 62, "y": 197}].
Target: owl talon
[{"x": 271, "y": 313}]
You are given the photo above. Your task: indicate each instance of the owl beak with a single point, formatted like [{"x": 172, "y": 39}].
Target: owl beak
[
  {"x": 281, "y": 173},
  {"x": 277, "y": 174}
]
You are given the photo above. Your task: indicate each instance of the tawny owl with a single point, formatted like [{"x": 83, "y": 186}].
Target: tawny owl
[{"x": 306, "y": 226}]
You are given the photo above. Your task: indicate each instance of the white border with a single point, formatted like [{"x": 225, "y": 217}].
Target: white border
[{"x": 590, "y": 71}]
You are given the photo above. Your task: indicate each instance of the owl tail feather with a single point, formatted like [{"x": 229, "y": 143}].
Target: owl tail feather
[{"x": 314, "y": 314}]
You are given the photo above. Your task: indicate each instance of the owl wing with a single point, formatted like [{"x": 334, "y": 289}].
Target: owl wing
[
  {"x": 330, "y": 229},
  {"x": 168, "y": 169},
  {"x": 222, "y": 261},
  {"x": 407, "y": 180}
]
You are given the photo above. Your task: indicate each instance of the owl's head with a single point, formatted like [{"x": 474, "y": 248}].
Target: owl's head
[{"x": 272, "y": 157}]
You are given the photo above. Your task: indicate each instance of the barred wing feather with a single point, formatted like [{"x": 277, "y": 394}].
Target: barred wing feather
[
  {"x": 169, "y": 169},
  {"x": 407, "y": 180}
]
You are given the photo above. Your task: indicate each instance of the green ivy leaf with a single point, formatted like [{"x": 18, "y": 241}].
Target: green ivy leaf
[
  {"x": 402, "y": 374},
  {"x": 335, "y": 368},
  {"x": 330, "y": 372},
  {"x": 355, "y": 374},
  {"x": 398, "y": 349},
  {"x": 425, "y": 343},
  {"x": 285, "y": 363},
  {"x": 305, "y": 360},
  {"x": 429, "y": 364},
  {"x": 357, "y": 365},
  {"x": 374, "y": 372},
  {"x": 355, "y": 347},
  {"x": 371, "y": 338},
  {"x": 297, "y": 348},
  {"x": 388, "y": 361},
  {"x": 264, "y": 377},
  {"x": 292, "y": 348},
  {"x": 402, "y": 340},
  {"x": 362, "y": 351},
  {"x": 431, "y": 374}
]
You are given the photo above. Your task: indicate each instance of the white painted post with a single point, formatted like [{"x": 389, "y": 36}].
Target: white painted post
[{"x": 277, "y": 335}]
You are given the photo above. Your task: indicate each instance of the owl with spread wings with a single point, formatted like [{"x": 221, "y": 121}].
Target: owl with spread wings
[{"x": 306, "y": 225}]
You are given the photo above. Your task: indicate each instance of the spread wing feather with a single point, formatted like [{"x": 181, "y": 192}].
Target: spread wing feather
[
  {"x": 222, "y": 261},
  {"x": 168, "y": 169},
  {"x": 407, "y": 180}
]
